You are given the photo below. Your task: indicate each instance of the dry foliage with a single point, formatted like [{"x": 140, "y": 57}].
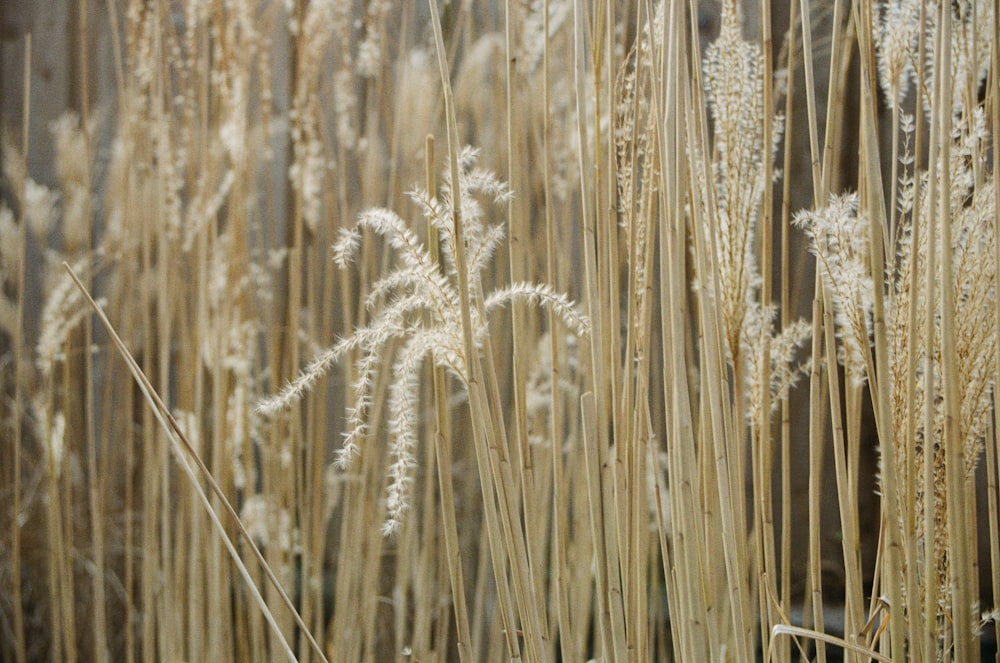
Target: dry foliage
[{"x": 542, "y": 398}]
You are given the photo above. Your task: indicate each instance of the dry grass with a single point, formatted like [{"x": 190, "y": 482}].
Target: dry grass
[{"x": 352, "y": 389}]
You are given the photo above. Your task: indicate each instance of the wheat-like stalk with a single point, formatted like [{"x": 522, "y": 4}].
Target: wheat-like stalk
[
  {"x": 416, "y": 308},
  {"x": 734, "y": 86},
  {"x": 917, "y": 313}
]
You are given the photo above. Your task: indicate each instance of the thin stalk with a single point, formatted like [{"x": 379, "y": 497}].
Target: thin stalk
[
  {"x": 443, "y": 455},
  {"x": 95, "y": 480},
  {"x": 796, "y": 631},
  {"x": 684, "y": 558},
  {"x": 785, "y": 583},
  {"x": 992, "y": 460},
  {"x": 153, "y": 464},
  {"x": 917, "y": 614},
  {"x": 54, "y": 532},
  {"x": 871, "y": 185},
  {"x": 491, "y": 453},
  {"x": 20, "y": 644},
  {"x": 560, "y": 497},
  {"x": 596, "y": 501},
  {"x": 961, "y": 591},
  {"x": 846, "y": 489},
  {"x": 842, "y": 41},
  {"x": 812, "y": 123},
  {"x": 814, "y": 579},
  {"x": 597, "y": 275},
  {"x": 927, "y": 613},
  {"x": 65, "y": 562},
  {"x": 721, "y": 425},
  {"x": 761, "y": 442},
  {"x": 185, "y": 453},
  {"x": 518, "y": 238}
]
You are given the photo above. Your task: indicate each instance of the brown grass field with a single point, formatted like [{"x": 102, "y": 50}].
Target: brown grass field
[{"x": 527, "y": 330}]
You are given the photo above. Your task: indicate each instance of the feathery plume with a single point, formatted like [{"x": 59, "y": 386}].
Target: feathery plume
[{"x": 417, "y": 304}]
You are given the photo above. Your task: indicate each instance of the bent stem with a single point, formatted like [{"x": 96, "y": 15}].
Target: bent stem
[{"x": 184, "y": 452}]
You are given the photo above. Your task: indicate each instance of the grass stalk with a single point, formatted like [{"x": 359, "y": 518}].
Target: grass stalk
[
  {"x": 628, "y": 478},
  {"x": 443, "y": 456},
  {"x": 488, "y": 448},
  {"x": 992, "y": 447},
  {"x": 958, "y": 527},
  {"x": 182, "y": 447},
  {"x": 20, "y": 645},
  {"x": 819, "y": 364}
]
